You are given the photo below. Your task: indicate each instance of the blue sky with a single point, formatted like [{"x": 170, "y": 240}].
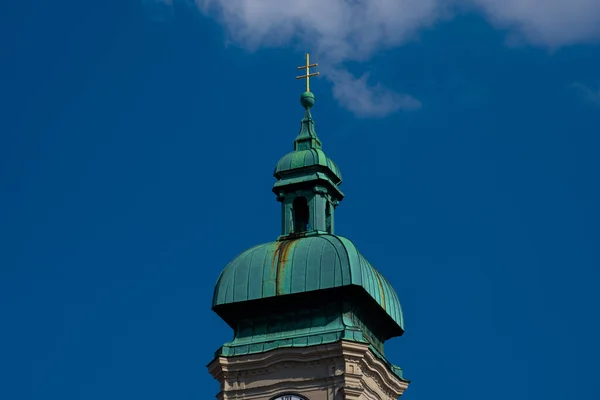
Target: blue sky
[{"x": 139, "y": 140}]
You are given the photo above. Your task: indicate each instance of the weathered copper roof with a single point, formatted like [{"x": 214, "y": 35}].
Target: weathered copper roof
[
  {"x": 302, "y": 265},
  {"x": 306, "y": 158}
]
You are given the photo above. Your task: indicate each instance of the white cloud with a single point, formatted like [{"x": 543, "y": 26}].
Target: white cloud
[
  {"x": 354, "y": 30},
  {"x": 338, "y": 31},
  {"x": 548, "y": 23},
  {"x": 366, "y": 100},
  {"x": 593, "y": 96}
]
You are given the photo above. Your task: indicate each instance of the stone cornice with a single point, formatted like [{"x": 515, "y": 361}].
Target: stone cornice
[
  {"x": 344, "y": 365},
  {"x": 371, "y": 369},
  {"x": 267, "y": 359}
]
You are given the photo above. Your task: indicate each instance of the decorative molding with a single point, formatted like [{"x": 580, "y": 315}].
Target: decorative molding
[
  {"x": 267, "y": 359},
  {"x": 344, "y": 366}
]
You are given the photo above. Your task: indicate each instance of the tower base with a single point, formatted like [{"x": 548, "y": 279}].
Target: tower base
[{"x": 335, "y": 371}]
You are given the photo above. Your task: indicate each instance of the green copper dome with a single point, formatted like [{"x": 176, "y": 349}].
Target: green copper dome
[
  {"x": 309, "y": 287},
  {"x": 302, "y": 265},
  {"x": 307, "y": 149},
  {"x": 306, "y": 158}
]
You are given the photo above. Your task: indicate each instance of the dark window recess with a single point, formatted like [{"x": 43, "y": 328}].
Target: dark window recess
[{"x": 300, "y": 207}]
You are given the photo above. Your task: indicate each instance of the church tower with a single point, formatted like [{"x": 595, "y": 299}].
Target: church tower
[{"x": 310, "y": 315}]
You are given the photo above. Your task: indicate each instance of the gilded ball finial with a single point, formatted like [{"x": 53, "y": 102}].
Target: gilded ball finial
[{"x": 307, "y": 100}]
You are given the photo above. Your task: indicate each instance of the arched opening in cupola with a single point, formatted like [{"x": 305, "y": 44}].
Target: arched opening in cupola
[{"x": 301, "y": 214}]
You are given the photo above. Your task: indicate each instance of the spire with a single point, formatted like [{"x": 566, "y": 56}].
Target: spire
[
  {"x": 307, "y": 138},
  {"x": 310, "y": 293},
  {"x": 307, "y": 180}
]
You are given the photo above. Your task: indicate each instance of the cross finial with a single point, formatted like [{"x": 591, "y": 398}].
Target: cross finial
[{"x": 308, "y": 66}]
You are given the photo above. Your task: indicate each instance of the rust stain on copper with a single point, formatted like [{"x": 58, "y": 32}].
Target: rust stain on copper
[
  {"x": 280, "y": 257},
  {"x": 275, "y": 254}
]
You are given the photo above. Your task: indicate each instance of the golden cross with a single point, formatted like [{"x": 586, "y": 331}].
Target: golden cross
[{"x": 308, "y": 66}]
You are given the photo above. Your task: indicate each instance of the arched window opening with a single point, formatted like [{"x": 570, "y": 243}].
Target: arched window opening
[
  {"x": 328, "y": 217},
  {"x": 301, "y": 214}
]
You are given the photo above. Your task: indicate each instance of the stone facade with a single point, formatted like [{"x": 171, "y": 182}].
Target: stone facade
[{"x": 336, "y": 371}]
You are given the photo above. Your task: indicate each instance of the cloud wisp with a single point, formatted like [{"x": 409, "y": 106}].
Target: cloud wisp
[
  {"x": 339, "y": 31},
  {"x": 593, "y": 96},
  {"x": 354, "y": 30},
  {"x": 367, "y": 100},
  {"x": 549, "y": 23}
]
